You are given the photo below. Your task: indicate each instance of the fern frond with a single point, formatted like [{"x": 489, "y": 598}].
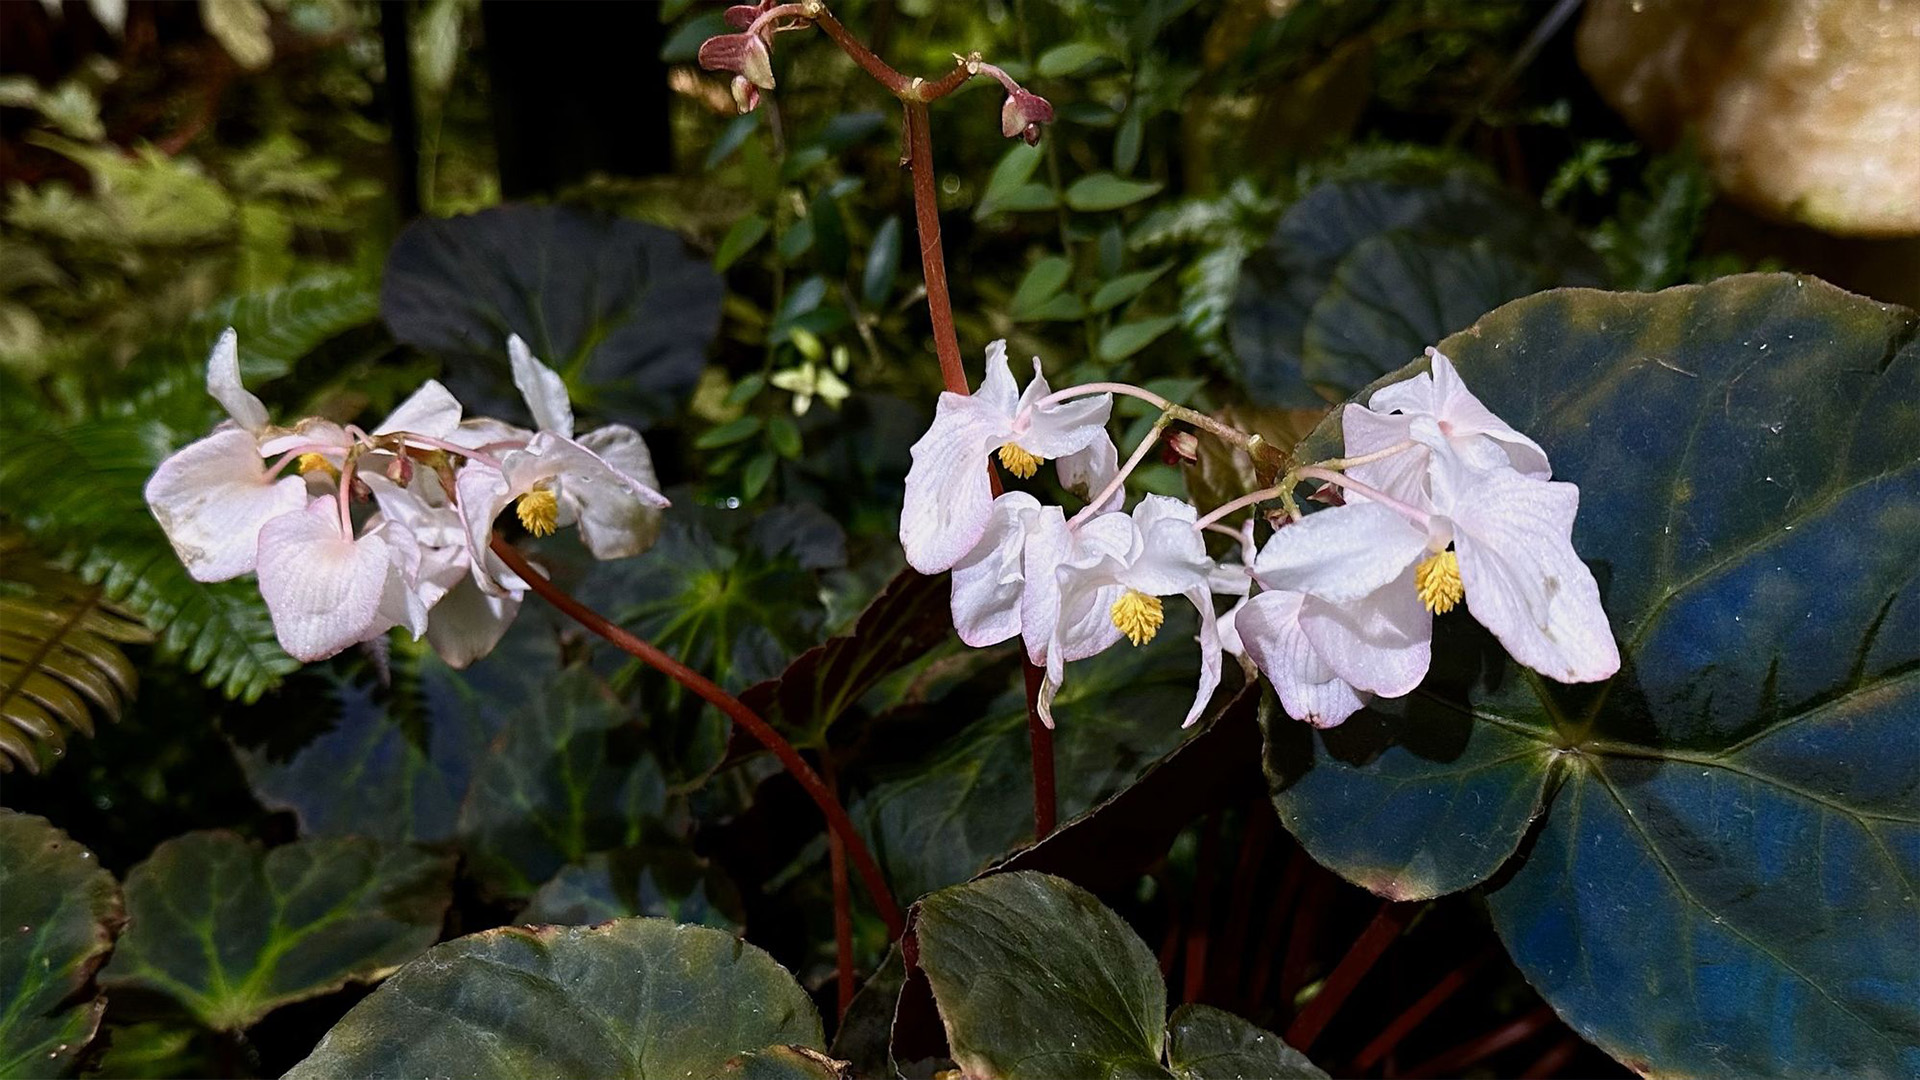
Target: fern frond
[
  {"x": 79, "y": 491},
  {"x": 60, "y": 657}
]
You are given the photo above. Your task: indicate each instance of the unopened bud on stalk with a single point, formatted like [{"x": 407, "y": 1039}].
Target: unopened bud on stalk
[
  {"x": 1180, "y": 448},
  {"x": 1023, "y": 114},
  {"x": 746, "y": 55},
  {"x": 1329, "y": 494},
  {"x": 400, "y": 470}
]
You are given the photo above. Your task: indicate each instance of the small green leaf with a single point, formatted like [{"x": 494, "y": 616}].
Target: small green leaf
[
  {"x": 746, "y": 389},
  {"x": 1028, "y": 197},
  {"x": 733, "y": 431},
  {"x": 759, "y": 470},
  {"x": 784, "y": 436},
  {"x": 1105, "y": 191},
  {"x": 731, "y": 137},
  {"x": 1015, "y": 168},
  {"x": 1128, "y": 338},
  {"x": 1063, "y": 60},
  {"x": 1126, "y": 142},
  {"x": 740, "y": 239},
  {"x": 1062, "y": 307},
  {"x": 60, "y": 911},
  {"x": 1113, "y": 293},
  {"x": 631, "y": 998},
  {"x": 829, "y": 234},
  {"x": 796, "y": 240},
  {"x": 1043, "y": 279},
  {"x": 883, "y": 262},
  {"x": 233, "y": 931}
]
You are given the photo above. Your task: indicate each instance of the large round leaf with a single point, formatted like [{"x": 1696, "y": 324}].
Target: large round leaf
[
  {"x": 232, "y": 931},
  {"x": 634, "y": 998},
  {"x": 59, "y": 912},
  {"x": 617, "y": 307},
  {"x": 1724, "y": 879},
  {"x": 1361, "y": 272}
]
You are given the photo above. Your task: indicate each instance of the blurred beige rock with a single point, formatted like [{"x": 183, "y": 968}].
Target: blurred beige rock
[{"x": 1807, "y": 110}]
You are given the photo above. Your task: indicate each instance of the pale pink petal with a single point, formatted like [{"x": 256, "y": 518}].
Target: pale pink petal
[
  {"x": 323, "y": 589},
  {"x": 1403, "y": 475},
  {"x": 1048, "y": 543},
  {"x": 543, "y": 389},
  {"x": 1087, "y": 472},
  {"x": 466, "y": 624},
  {"x": 1341, "y": 554},
  {"x": 1524, "y": 582},
  {"x": 616, "y": 493},
  {"x": 1067, "y": 428},
  {"x": 312, "y": 431},
  {"x": 211, "y": 499},
  {"x": 997, "y": 389},
  {"x": 1169, "y": 555},
  {"x": 948, "y": 494},
  {"x": 989, "y": 581},
  {"x": 223, "y": 382},
  {"x": 1382, "y": 643},
  {"x": 1269, "y": 626},
  {"x": 430, "y": 410},
  {"x": 1462, "y": 416},
  {"x": 483, "y": 492},
  {"x": 1210, "y": 647}
]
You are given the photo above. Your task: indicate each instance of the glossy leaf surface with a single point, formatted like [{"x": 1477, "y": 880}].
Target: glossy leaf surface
[
  {"x": 232, "y": 931},
  {"x": 1205, "y": 1043},
  {"x": 619, "y": 308},
  {"x": 1724, "y": 879},
  {"x": 638, "y": 998},
  {"x": 60, "y": 911}
]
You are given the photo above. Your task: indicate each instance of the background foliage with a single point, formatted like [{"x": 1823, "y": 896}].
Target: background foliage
[{"x": 1253, "y": 208}]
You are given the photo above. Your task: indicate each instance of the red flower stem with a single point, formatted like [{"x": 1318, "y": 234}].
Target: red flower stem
[
  {"x": 1041, "y": 738},
  {"x": 1373, "y": 941},
  {"x": 816, "y": 789},
  {"x": 1256, "y": 831},
  {"x": 1417, "y": 1013},
  {"x": 1193, "y": 985},
  {"x": 1555, "y": 1059},
  {"x": 842, "y": 898},
  {"x": 1453, "y": 1062},
  {"x": 918, "y": 133}
]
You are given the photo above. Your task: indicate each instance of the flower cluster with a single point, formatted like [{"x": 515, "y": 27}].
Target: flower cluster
[
  {"x": 352, "y": 533},
  {"x": 1438, "y": 502}
]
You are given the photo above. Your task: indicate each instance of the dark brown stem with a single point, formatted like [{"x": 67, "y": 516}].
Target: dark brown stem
[
  {"x": 1373, "y": 941},
  {"x": 816, "y": 789},
  {"x": 905, "y": 87},
  {"x": 842, "y": 898},
  {"x": 1041, "y": 738}
]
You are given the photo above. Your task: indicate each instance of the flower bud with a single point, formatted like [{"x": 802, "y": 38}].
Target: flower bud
[
  {"x": 400, "y": 470},
  {"x": 745, "y": 55},
  {"x": 1331, "y": 494},
  {"x": 1023, "y": 114},
  {"x": 1180, "y": 448},
  {"x": 746, "y": 96}
]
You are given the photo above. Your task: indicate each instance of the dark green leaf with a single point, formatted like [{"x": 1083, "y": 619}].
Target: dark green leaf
[
  {"x": 1128, "y": 338},
  {"x": 907, "y": 618},
  {"x": 634, "y": 998},
  {"x": 1205, "y": 1043},
  {"x": 1105, "y": 191},
  {"x": 1117, "y": 713},
  {"x": 829, "y": 234},
  {"x": 784, "y": 1063},
  {"x": 731, "y": 136},
  {"x": 60, "y": 911},
  {"x": 796, "y": 240},
  {"x": 618, "y": 307},
  {"x": 660, "y": 882},
  {"x": 1061, "y": 307},
  {"x": 565, "y": 778},
  {"x": 865, "y": 1034},
  {"x": 1035, "y": 978},
  {"x": 759, "y": 470},
  {"x": 784, "y": 436},
  {"x": 232, "y": 931},
  {"x": 1027, "y": 197},
  {"x": 1126, "y": 143},
  {"x": 1731, "y": 819},
  {"x": 1327, "y": 232},
  {"x": 740, "y": 239},
  {"x": 883, "y": 262}
]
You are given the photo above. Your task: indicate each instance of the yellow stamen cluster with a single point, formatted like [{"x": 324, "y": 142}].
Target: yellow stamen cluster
[
  {"x": 1138, "y": 616},
  {"x": 1018, "y": 461},
  {"x": 310, "y": 462},
  {"x": 539, "y": 511},
  {"x": 1438, "y": 580}
]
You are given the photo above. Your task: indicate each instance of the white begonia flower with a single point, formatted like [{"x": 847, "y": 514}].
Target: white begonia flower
[
  {"x": 428, "y": 535},
  {"x": 1090, "y": 585},
  {"x": 603, "y": 481},
  {"x": 949, "y": 496},
  {"x": 1432, "y": 406},
  {"x": 212, "y": 496},
  {"x": 990, "y": 581},
  {"x": 1374, "y": 577},
  {"x": 1268, "y": 625},
  {"x": 326, "y": 589}
]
